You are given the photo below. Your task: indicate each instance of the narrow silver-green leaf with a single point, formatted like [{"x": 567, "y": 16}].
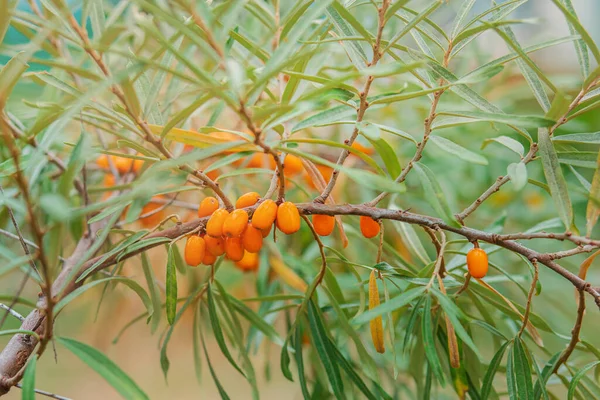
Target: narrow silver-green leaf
[
  {"x": 458, "y": 151},
  {"x": 171, "y": 283},
  {"x": 434, "y": 194},
  {"x": 28, "y": 385}
]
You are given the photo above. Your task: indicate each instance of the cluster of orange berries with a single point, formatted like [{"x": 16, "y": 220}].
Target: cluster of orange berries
[{"x": 234, "y": 235}]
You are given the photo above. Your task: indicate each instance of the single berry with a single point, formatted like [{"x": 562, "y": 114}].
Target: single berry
[
  {"x": 264, "y": 215},
  {"x": 252, "y": 239},
  {"x": 214, "y": 226},
  {"x": 235, "y": 224},
  {"x": 247, "y": 200},
  {"x": 288, "y": 218},
  {"x": 207, "y": 206},
  {"x": 369, "y": 227},
  {"x": 249, "y": 262},
  {"x": 323, "y": 224},
  {"x": 215, "y": 246},
  {"x": 477, "y": 262},
  {"x": 195, "y": 249},
  {"x": 234, "y": 250}
]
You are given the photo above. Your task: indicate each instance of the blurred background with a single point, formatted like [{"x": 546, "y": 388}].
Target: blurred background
[{"x": 137, "y": 350}]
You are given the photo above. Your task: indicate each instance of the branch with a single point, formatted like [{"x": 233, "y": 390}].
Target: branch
[{"x": 574, "y": 333}]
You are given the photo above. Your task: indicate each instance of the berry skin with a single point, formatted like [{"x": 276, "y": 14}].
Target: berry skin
[
  {"x": 265, "y": 232},
  {"x": 323, "y": 224},
  {"x": 264, "y": 215},
  {"x": 235, "y": 223},
  {"x": 102, "y": 161},
  {"x": 288, "y": 218},
  {"x": 154, "y": 219},
  {"x": 195, "y": 250},
  {"x": 207, "y": 206},
  {"x": 123, "y": 164},
  {"x": 209, "y": 259},
  {"x": 367, "y": 150},
  {"x": 249, "y": 262},
  {"x": 252, "y": 239},
  {"x": 214, "y": 227},
  {"x": 138, "y": 164},
  {"x": 477, "y": 262},
  {"x": 234, "y": 250},
  {"x": 369, "y": 227},
  {"x": 215, "y": 246},
  {"x": 292, "y": 165},
  {"x": 247, "y": 200}
]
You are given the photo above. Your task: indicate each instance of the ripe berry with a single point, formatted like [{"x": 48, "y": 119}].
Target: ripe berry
[
  {"x": 102, "y": 161},
  {"x": 323, "y": 224},
  {"x": 264, "y": 215},
  {"x": 477, "y": 262},
  {"x": 215, "y": 246},
  {"x": 367, "y": 150},
  {"x": 123, "y": 164},
  {"x": 252, "y": 239},
  {"x": 208, "y": 259},
  {"x": 249, "y": 262},
  {"x": 154, "y": 219},
  {"x": 234, "y": 250},
  {"x": 195, "y": 249},
  {"x": 214, "y": 227},
  {"x": 369, "y": 227},
  {"x": 265, "y": 232},
  {"x": 235, "y": 223},
  {"x": 207, "y": 206},
  {"x": 138, "y": 164},
  {"x": 292, "y": 165},
  {"x": 247, "y": 200},
  {"x": 288, "y": 218}
]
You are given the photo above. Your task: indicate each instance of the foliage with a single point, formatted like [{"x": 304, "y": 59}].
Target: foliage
[{"x": 118, "y": 118}]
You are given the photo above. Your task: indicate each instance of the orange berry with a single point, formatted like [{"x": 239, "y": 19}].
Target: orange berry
[
  {"x": 214, "y": 227},
  {"x": 369, "y": 227},
  {"x": 154, "y": 219},
  {"x": 252, "y": 239},
  {"x": 195, "y": 249},
  {"x": 213, "y": 175},
  {"x": 207, "y": 206},
  {"x": 234, "y": 250},
  {"x": 209, "y": 259},
  {"x": 215, "y": 245},
  {"x": 367, "y": 150},
  {"x": 102, "y": 161},
  {"x": 109, "y": 180},
  {"x": 138, "y": 164},
  {"x": 265, "y": 232},
  {"x": 323, "y": 224},
  {"x": 265, "y": 215},
  {"x": 235, "y": 223},
  {"x": 292, "y": 165},
  {"x": 477, "y": 262},
  {"x": 256, "y": 161},
  {"x": 247, "y": 200},
  {"x": 123, "y": 164},
  {"x": 288, "y": 218},
  {"x": 249, "y": 262}
]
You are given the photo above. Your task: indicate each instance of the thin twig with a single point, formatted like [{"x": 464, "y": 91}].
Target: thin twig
[
  {"x": 530, "y": 296},
  {"x": 45, "y": 393},
  {"x": 574, "y": 333},
  {"x": 11, "y": 311}
]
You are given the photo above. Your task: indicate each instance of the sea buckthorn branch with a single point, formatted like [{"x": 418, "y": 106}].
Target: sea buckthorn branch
[
  {"x": 143, "y": 125},
  {"x": 428, "y": 123},
  {"x": 530, "y": 156},
  {"x": 364, "y": 104},
  {"x": 439, "y": 260},
  {"x": 530, "y": 296},
  {"x": 574, "y": 333},
  {"x": 20, "y": 347}
]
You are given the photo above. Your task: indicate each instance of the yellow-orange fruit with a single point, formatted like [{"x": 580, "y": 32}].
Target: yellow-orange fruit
[
  {"x": 154, "y": 219},
  {"x": 138, "y": 164},
  {"x": 102, "y": 161},
  {"x": 288, "y": 218},
  {"x": 234, "y": 250},
  {"x": 109, "y": 180},
  {"x": 292, "y": 165},
  {"x": 252, "y": 239},
  {"x": 195, "y": 249},
  {"x": 213, "y": 174},
  {"x": 477, "y": 262},
  {"x": 215, "y": 245},
  {"x": 214, "y": 227},
  {"x": 325, "y": 171},
  {"x": 265, "y": 215},
  {"x": 247, "y": 200},
  {"x": 265, "y": 232},
  {"x": 249, "y": 262},
  {"x": 123, "y": 164},
  {"x": 369, "y": 227},
  {"x": 367, "y": 150},
  {"x": 209, "y": 259},
  {"x": 323, "y": 224},
  {"x": 207, "y": 206},
  {"x": 235, "y": 223}
]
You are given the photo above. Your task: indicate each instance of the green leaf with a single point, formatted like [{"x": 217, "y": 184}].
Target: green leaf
[
  {"x": 133, "y": 285},
  {"x": 105, "y": 368},
  {"x": 216, "y": 325},
  {"x": 344, "y": 24},
  {"x": 508, "y": 142},
  {"x": 395, "y": 303},
  {"x": 488, "y": 380},
  {"x": 458, "y": 151},
  {"x": 8, "y": 6},
  {"x": 517, "y": 173},
  {"x": 388, "y": 155},
  {"x": 522, "y": 371},
  {"x": 300, "y": 362},
  {"x": 10, "y": 74},
  {"x": 220, "y": 388},
  {"x": 575, "y": 25},
  {"x": 592, "y": 138},
  {"x": 467, "y": 117},
  {"x": 324, "y": 117},
  {"x": 583, "y": 159},
  {"x": 434, "y": 195},
  {"x": 171, "y": 283},
  {"x": 351, "y": 372},
  {"x": 460, "y": 17},
  {"x": 28, "y": 385},
  {"x": 539, "y": 389},
  {"x": 154, "y": 291},
  {"x": 555, "y": 179},
  {"x": 511, "y": 382},
  {"x": 577, "y": 377},
  {"x": 324, "y": 350},
  {"x": 433, "y": 360}
]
